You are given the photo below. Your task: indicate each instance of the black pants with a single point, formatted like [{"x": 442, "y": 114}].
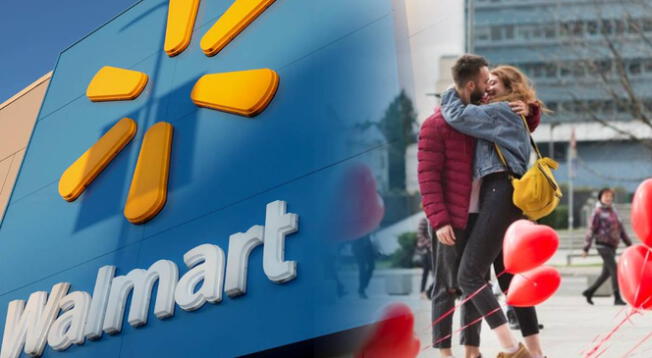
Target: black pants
[
  {"x": 427, "y": 266},
  {"x": 364, "y": 253},
  {"x": 483, "y": 249},
  {"x": 609, "y": 268},
  {"x": 446, "y": 260}
]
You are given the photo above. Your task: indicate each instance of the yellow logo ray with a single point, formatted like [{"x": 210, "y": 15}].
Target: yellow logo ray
[
  {"x": 231, "y": 23},
  {"x": 148, "y": 190},
  {"x": 246, "y": 93},
  {"x": 181, "y": 19},
  {"x": 116, "y": 84},
  {"x": 83, "y": 171}
]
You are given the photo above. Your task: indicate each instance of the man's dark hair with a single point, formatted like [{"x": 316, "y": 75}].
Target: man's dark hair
[{"x": 467, "y": 68}]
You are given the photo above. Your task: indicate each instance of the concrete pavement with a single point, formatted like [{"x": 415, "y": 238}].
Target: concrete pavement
[{"x": 571, "y": 325}]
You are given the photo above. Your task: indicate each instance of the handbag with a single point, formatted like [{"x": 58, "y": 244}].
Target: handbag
[{"x": 536, "y": 193}]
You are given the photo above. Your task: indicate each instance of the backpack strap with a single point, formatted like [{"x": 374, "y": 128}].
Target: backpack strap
[{"x": 532, "y": 142}]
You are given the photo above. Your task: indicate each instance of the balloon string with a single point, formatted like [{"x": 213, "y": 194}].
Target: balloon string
[
  {"x": 609, "y": 335},
  {"x": 640, "y": 283},
  {"x": 638, "y": 345},
  {"x": 465, "y": 300},
  {"x": 475, "y": 321}
]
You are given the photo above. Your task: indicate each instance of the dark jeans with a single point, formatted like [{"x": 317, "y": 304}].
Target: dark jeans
[
  {"x": 609, "y": 268},
  {"x": 484, "y": 248},
  {"x": 427, "y": 266},
  {"x": 446, "y": 260},
  {"x": 364, "y": 253}
]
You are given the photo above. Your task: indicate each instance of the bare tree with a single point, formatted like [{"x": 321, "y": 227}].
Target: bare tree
[{"x": 606, "y": 53}]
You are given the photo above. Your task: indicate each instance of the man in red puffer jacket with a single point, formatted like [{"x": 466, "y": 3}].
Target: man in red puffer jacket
[{"x": 450, "y": 201}]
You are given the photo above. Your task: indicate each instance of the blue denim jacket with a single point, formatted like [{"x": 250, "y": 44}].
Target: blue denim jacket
[{"x": 491, "y": 123}]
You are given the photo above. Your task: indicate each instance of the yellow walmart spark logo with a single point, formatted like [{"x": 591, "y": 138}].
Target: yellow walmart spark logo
[{"x": 245, "y": 93}]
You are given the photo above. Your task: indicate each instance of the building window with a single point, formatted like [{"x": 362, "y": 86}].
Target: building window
[
  {"x": 549, "y": 31},
  {"x": 620, "y": 27},
  {"x": 496, "y": 33},
  {"x": 564, "y": 29},
  {"x": 634, "y": 26},
  {"x": 635, "y": 67},
  {"x": 578, "y": 28},
  {"x": 606, "y": 27},
  {"x": 592, "y": 27},
  {"x": 509, "y": 32},
  {"x": 647, "y": 25},
  {"x": 603, "y": 66},
  {"x": 648, "y": 66},
  {"x": 551, "y": 70}
]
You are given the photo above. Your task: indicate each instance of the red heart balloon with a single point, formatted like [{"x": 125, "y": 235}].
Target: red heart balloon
[
  {"x": 359, "y": 208},
  {"x": 528, "y": 245},
  {"x": 635, "y": 276},
  {"x": 533, "y": 287},
  {"x": 642, "y": 212},
  {"x": 393, "y": 336}
]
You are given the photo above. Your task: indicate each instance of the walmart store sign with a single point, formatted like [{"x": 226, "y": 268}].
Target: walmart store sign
[{"x": 62, "y": 318}]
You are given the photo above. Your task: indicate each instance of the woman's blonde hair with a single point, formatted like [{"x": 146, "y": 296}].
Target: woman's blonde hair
[{"x": 518, "y": 84}]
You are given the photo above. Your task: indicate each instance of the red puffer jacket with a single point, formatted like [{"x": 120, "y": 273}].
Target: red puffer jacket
[{"x": 445, "y": 169}]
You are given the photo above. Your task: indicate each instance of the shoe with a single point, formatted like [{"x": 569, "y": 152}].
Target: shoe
[
  {"x": 618, "y": 301},
  {"x": 522, "y": 352},
  {"x": 589, "y": 296},
  {"x": 513, "y": 320}
]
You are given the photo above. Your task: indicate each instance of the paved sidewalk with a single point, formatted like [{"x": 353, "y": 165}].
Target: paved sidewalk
[{"x": 570, "y": 323}]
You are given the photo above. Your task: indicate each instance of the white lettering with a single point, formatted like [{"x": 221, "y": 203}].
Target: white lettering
[
  {"x": 93, "y": 329},
  {"x": 206, "y": 263},
  {"x": 140, "y": 282},
  {"x": 69, "y": 327},
  {"x": 240, "y": 246},
  {"x": 278, "y": 224},
  {"x": 28, "y": 325}
]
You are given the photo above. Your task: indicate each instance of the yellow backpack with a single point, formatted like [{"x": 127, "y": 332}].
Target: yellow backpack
[{"x": 536, "y": 192}]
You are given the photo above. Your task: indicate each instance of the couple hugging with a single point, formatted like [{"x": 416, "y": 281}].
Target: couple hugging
[{"x": 467, "y": 197}]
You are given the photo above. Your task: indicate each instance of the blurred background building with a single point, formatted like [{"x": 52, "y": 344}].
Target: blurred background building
[{"x": 591, "y": 62}]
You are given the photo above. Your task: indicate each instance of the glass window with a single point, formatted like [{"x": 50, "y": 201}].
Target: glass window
[
  {"x": 564, "y": 29},
  {"x": 537, "y": 33},
  {"x": 606, "y": 27},
  {"x": 551, "y": 70},
  {"x": 578, "y": 69},
  {"x": 567, "y": 106},
  {"x": 620, "y": 26},
  {"x": 635, "y": 67},
  {"x": 578, "y": 28},
  {"x": 496, "y": 33},
  {"x": 648, "y": 66},
  {"x": 592, "y": 27},
  {"x": 648, "y": 104},
  {"x": 607, "y": 106},
  {"x": 509, "y": 32},
  {"x": 549, "y": 31},
  {"x": 537, "y": 70},
  {"x": 564, "y": 71},
  {"x": 634, "y": 26},
  {"x": 647, "y": 25},
  {"x": 604, "y": 66}
]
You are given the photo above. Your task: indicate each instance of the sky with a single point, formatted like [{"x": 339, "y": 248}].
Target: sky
[{"x": 34, "y": 32}]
